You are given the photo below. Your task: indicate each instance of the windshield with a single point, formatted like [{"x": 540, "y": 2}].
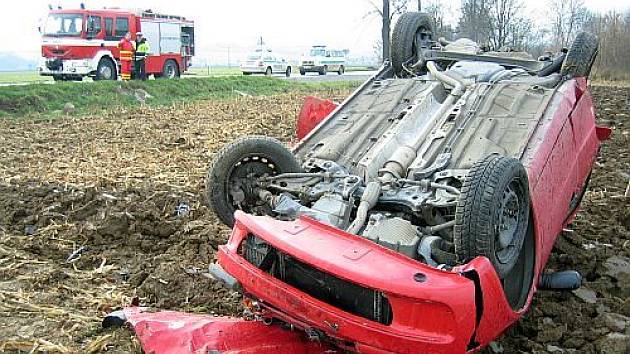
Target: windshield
[
  {"x": 254, "y": 56},
  {"x": 318, "y": 52},
  {"x": 64, "y": 25}
]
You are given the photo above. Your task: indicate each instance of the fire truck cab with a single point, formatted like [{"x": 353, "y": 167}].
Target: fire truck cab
[{"x": 80, "y": 43}]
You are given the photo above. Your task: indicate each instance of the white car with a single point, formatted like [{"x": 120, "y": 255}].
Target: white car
[
  {"x": 322, "y": 60},
  {"x": 265, "y": 62}
]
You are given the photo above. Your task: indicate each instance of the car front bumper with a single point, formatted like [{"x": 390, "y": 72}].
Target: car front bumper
[
  {"x": 433, "y": 310},
  {"x": 52, "y": 67},
  {"x": 254, "y": 69},
  {"x": 311, "y": 68}
]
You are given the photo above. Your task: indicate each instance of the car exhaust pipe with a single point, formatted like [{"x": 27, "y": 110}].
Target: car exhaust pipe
[
  {"x": 397, "y": 165},
  {"x": 564, "y": 280}
]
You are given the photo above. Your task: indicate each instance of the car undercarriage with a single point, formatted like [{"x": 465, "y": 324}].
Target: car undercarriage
[{"x": 412, "y": 217}]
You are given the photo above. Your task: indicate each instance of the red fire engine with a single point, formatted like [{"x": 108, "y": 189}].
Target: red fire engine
[{"x": 79, "y": 43}]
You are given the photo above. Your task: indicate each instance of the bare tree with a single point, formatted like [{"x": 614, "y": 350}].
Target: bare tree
[
  {"x": 567, "y": 16},
  {"x": 438, "y": 9},
  {"x": 475, "y": 21},
  {"x": 505, "y": 20}
]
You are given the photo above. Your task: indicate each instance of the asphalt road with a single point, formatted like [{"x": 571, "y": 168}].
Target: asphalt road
[
  {"x": 348, "y": 76},
  {"x": 309, "y": 77}
]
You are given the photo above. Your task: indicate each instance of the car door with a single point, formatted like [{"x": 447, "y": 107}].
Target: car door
[{"x": 278, "y": 65}]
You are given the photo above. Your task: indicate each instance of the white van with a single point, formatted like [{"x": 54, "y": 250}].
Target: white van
[
  {"x": 322, "y": 60},
  {"x": 265, "y": 62}
]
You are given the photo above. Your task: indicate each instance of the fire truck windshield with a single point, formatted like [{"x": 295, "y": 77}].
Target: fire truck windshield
[{"x": 64, "y": 25}]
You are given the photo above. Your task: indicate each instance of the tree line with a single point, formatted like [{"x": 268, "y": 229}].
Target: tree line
[{"x": 505, "y": 25}]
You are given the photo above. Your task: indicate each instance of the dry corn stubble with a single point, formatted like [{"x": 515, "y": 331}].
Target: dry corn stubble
[{"x": 128, "y": 185}]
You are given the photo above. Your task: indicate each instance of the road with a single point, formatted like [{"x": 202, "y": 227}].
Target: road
[
  {"x": 348, "y": 76},
  {"x": 309, "y": 77}
]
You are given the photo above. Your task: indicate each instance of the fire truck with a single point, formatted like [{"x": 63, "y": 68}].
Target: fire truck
[{"x": 83, "y": 42}]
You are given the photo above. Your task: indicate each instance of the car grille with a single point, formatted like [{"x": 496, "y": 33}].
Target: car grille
[{"x": 347, "y": 296}]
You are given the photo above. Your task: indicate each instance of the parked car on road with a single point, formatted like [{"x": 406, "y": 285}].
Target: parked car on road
[
  {"x": 322, "y": 60},
  {"x": 265, "y": 62}
]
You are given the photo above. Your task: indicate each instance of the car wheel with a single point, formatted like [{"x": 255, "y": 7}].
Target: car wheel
[
  {"x": 324, "y": 70},
  {"x": 105, "y": 70},
  {"x": 170, "y": 70},
  {"x": 581, "y": 55},
  {"x": 59, "y": 78},
  {"x": 412, "y": 34},
  {"x": 268, "y": 72},
  {"x": 492, "y": 212},
  {"x": 341, "y": 70},
  {"x": 230, "y": 183},
  {"x": 288, "y": 72},
  {"x": 302, "y": 72}
]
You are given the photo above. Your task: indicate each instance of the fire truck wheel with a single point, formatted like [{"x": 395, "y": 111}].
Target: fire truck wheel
[
  {"x": 170, "y": 70},
  {"x": 288, "y": 72},
  {"x": 106, "y": 70}
]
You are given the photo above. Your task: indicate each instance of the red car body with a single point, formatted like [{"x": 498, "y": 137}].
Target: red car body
[{"x": 434, "y": 311}]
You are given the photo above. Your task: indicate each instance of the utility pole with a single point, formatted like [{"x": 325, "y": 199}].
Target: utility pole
[{"x": 385, "y": 30}]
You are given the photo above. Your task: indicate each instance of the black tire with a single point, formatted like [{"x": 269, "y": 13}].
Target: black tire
[
  {"x": 324, "y": 70},
  {"x": 302, "y": 72},
  {"x": 581, "y": 55},
  {"x": 287, "y": 73},
  {"x": 268, "y": 71},
  {"x": 170, "y": 70},
  {"x": 412, "y": 33},
  {"x": 106, "y": 70},
  {"x": 232, "y": 172},
  {"x": 341, "y": 70},
  {"x": 492, "y": 213},
  {"x": 59, "y": 78}
]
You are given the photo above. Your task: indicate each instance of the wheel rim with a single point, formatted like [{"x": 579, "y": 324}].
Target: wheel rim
[
  {"x": 510, "y": 217},
  {"x": 241, "y": 183},
  {"x": 105, "y": 72},
  {"x": 170, "y": 71},
  {"x": 421, "y": 40}
]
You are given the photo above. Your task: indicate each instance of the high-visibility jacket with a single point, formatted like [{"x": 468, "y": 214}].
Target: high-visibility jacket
[
  {"x": 126, "y": 50},
  {"x": 142, "y": 50}
]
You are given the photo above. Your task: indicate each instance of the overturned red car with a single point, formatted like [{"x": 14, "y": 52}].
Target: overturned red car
[{"x": 416, "y": 216}]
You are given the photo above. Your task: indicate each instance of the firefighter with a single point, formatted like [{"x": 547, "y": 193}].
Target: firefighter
[
  {"x": 127, "y": 48},
  {"x": 142, "y": 50}
]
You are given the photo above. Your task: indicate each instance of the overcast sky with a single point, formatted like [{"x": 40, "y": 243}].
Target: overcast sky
[{"x": 288, "y": 26}]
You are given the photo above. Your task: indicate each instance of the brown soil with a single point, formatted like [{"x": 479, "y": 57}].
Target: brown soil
[{"x": 127, "y": 186}]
